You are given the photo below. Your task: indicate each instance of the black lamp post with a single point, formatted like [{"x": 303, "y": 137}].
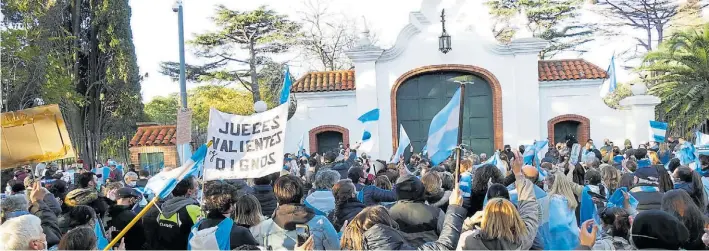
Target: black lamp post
[{"x": 444, "y": 41}]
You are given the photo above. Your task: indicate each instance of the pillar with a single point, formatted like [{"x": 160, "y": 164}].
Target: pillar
[{"x": 640, "y": 109}]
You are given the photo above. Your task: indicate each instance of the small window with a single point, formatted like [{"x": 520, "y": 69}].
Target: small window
[{"x": 153, "y": 162}]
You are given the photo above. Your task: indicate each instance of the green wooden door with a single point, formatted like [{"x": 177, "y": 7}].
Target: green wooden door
[
  {"x": 329, "y": 141},
  {"x": 565, "y": 128},
  {"x": 419, "y": 98}
]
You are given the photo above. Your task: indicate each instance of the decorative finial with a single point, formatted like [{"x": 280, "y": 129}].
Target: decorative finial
[{"x": 364, "y": 36}]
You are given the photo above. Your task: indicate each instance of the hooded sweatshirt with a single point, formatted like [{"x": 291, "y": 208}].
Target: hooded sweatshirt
[
  {"x": 175, "y": 222},
  {"x": 278, "y": 233},
  {"x": 419, "y": 222}
]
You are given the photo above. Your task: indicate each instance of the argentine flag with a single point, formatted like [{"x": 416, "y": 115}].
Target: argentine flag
[
  {"x": 609, "y": 86},
  {"x": 443, "y": 132},
  {"x": 369, "y": 120},
  {"x": 702, "y": 140},
  {"x": 540, "y": 150},
  {"x": 658, "y": 130},
  {"x": 287, "y": 83},
  {"x": 528, "y": 155},
  {"x": 496, "y": 161},
  {"x": 403, "y": 143},
  {"x": 301, "y": 149},
  {"x": 163, "y": 183}
]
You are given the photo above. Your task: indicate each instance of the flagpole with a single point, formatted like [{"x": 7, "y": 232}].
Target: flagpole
[
  {"x": 459, "y": 154},
  {"x": 139, "y": 216}
]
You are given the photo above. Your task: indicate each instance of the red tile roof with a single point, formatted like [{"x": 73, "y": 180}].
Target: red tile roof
[
  {"x": 154, "y": 136},
  {"x": 325, "y": 81},
  {"x": 549, "y": 70},
  {"x": 569, "y": 69}
]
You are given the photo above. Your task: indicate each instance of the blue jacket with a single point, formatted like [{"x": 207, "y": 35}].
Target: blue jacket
[
  {"x": 321, "y": 201},
  {"x": 372, "y": 195}
]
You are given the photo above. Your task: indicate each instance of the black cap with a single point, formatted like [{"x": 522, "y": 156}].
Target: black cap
[{"x": 127, "y": 192}]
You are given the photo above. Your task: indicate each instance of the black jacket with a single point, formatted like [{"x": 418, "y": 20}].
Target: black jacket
[
  {"x": 239, "y": 235},
  {"x": 421, "y": 223},
  {"x": 374, "y": 195},
  {"x": 382, "y": 237},
  {"x": 265, "y": 196},
  {"x": 50, "y": 225},
  {"x": 647, "y": 200},
  {"x": 120, "y": 217},
  {"x": 345, "y": 212},
  {"x": 343, "y": 167}
]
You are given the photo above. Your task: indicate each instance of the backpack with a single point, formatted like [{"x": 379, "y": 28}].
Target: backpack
[{"x": 213, "y": 238}]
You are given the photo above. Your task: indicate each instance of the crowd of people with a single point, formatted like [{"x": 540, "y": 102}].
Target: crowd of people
[{"x": 576, "y": 197}]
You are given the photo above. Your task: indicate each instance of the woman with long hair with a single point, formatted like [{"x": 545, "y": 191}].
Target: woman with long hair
[
  {"x": 562, "y": 231},
  {"x": 80, "y": 238},
  {"x": 611, "y": 177},
  {"x": 248, "y": 211},
  {"x": 664, "y": 179},
  {"x": 691, "y": 182},
  {"x": 678, "y": 203},
  {"x": 481, "y": 177},
  {"x": 383, "y": 182},
  {"x": 664, "y": 153},
  {"x": 434, "y": 193},
  {"x": 502, "y": 225},
  {"x": 374, "y": 229},
  {"x": 346, "y": 203}
]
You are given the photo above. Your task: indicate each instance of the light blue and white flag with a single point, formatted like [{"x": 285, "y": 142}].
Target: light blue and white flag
[
  {"x": 101, "y": 241},
  {"x": 287, "y": 83},
  {"x": 658, "y": 130},
  {"x": 163, "y": 183},
  {"x": 404, "y": 142},
  {"x": 443, "y": 132},
  {"x": 609, "y": 86},
  {"x": 496, "y": 161},
  {"x": 425, "y": 149},
  {"x": 540, "y": 150},
  {"x": 702, "y": 140},
  {"x": 301, "y": 148},
  {"x": 528, "y": 155},
  {"x": 370, "y": 121}
]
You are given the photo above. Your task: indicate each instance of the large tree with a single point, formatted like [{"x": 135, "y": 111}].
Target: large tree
[
  {"x": 79, "y": 54},
  {"x": 554, "y": 20},
  {"x": 680, "y": 77},
  {"x": 240, "y": 47}
]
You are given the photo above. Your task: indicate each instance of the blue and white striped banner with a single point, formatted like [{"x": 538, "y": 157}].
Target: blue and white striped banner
[
  {"x": 658, "y": 131},
  {"x": 369, "y": 120},
  {"x": 443, "y": 132}
]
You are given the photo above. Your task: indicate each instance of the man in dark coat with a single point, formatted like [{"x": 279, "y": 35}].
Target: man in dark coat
[
  {"x": 419, "y": 222},
  {"x": 121, "y": 214},
  {"x": 341, "y": 166},
  {"x": 263, "y": 190}
]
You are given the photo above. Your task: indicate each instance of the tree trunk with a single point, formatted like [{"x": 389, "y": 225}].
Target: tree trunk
[{"x": 254, "y": 78}]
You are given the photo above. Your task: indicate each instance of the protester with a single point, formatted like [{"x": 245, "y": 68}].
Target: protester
[
  {"x": 321, "y": 200},
  {"x": 346, "y": 203},
  {"x": 502, "y": 226},
  {"x": 383, "y": 182},
  {"x": 49, "y": 198},
  {"x": 420, "y": 223},
  {"x": 115, "y": 173},
  {"x": 23, "y": 233},
  {"x": 130, "y": 179},
  {"x": 143, "y": 176},
  {"x": 434, "y": 193},
  {"x": 264, "y": 193},
  {"x": 484, "y": 174},
  {"x": 646, "y": 189},
  {"x": 169, "y": 229},
  {"x": 219, "y": 202},
  {"x": 664, "y": 179},
  {"x": 121, "y": 214},
  {"x": 357, "y": 176},
  {"x": 610, "y": 177},
  {"x": 341, "y": 166},
  {"x": 275, "y": 233},
  {"x": 81, "y": 215},
  {"x": 374, "y": 229},
  {"x": 691, "y": 182},
  {"x": 615, "y": 229},
  {"x": 86, "y": 194},
  {"x": 80, "y": 238},
  {"x": 498, "y": 191},
  {"x": 655, "y": 229},
  {"x": 679, "y": 204},
  {"x": 248, "y": 211}
]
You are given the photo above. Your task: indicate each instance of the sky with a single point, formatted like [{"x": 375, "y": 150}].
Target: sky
[{"x": 155, "y": 36}]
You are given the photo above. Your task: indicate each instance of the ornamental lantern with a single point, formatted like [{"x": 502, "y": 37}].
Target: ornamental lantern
[{"x": 444, "y": 41}]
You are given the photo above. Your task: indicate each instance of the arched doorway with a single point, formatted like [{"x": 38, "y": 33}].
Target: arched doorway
[
  {"x": 569, "y": 124},
  {"x": 419, "y": 94},
  {"x": 327, "y": 137}
]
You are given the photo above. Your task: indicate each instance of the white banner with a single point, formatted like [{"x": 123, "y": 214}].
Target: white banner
[{"x": 245, "y": 146}]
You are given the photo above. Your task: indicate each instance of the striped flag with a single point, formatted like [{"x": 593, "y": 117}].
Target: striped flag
[
  {"x": 163, "y": 183},
  {"x": 496, "y": 161},
  {"x": 369, "y": 120},
  {"x": 610, "y": 86},
  {"x": 403, "y": 143},
  {"x": 287, "y": 83},
  {"x": 443, "y": 132},
  {"x": 301, "y": 148},
  {"x": 658, "y": 131}
]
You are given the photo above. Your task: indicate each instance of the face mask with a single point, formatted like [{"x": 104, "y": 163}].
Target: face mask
[{"x": 131, "y": 183}]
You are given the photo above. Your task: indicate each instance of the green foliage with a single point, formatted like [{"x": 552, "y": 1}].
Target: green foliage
[
  {"x": 552, "y": 20},
  {"x": 164, "y": 109},
  {"x": 622, "y": 91},
  {"x": 261, "y": 32},
  {"x": 679, "y": 71}
]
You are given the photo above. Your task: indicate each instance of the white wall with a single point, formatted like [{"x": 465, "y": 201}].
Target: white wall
[
  {"x": 322, "y": 108},
  {"x": 581, "y": 97}
]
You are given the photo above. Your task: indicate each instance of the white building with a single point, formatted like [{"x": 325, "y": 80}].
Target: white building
[{"x": 514, "y": 97}]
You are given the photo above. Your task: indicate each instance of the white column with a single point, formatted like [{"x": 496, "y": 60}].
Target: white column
[
  {"x": 641, "y": 109},
  {"x": 528, "y": 125},
  {"x": 364, "y": 57}
]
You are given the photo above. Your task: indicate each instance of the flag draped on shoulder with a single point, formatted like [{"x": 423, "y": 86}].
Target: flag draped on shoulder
[
  {"x": 370, "y": 121},
  {"x": 702, "y": 140},
  {"x": 443, "y": 132},
  {"x": 609, "y": 87},
  {"x": 287, "y": 83},
  {"x": 658, "y": 130},
  {"x": 163, "y": 183},
  {"x": 404, "y": 142}
]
